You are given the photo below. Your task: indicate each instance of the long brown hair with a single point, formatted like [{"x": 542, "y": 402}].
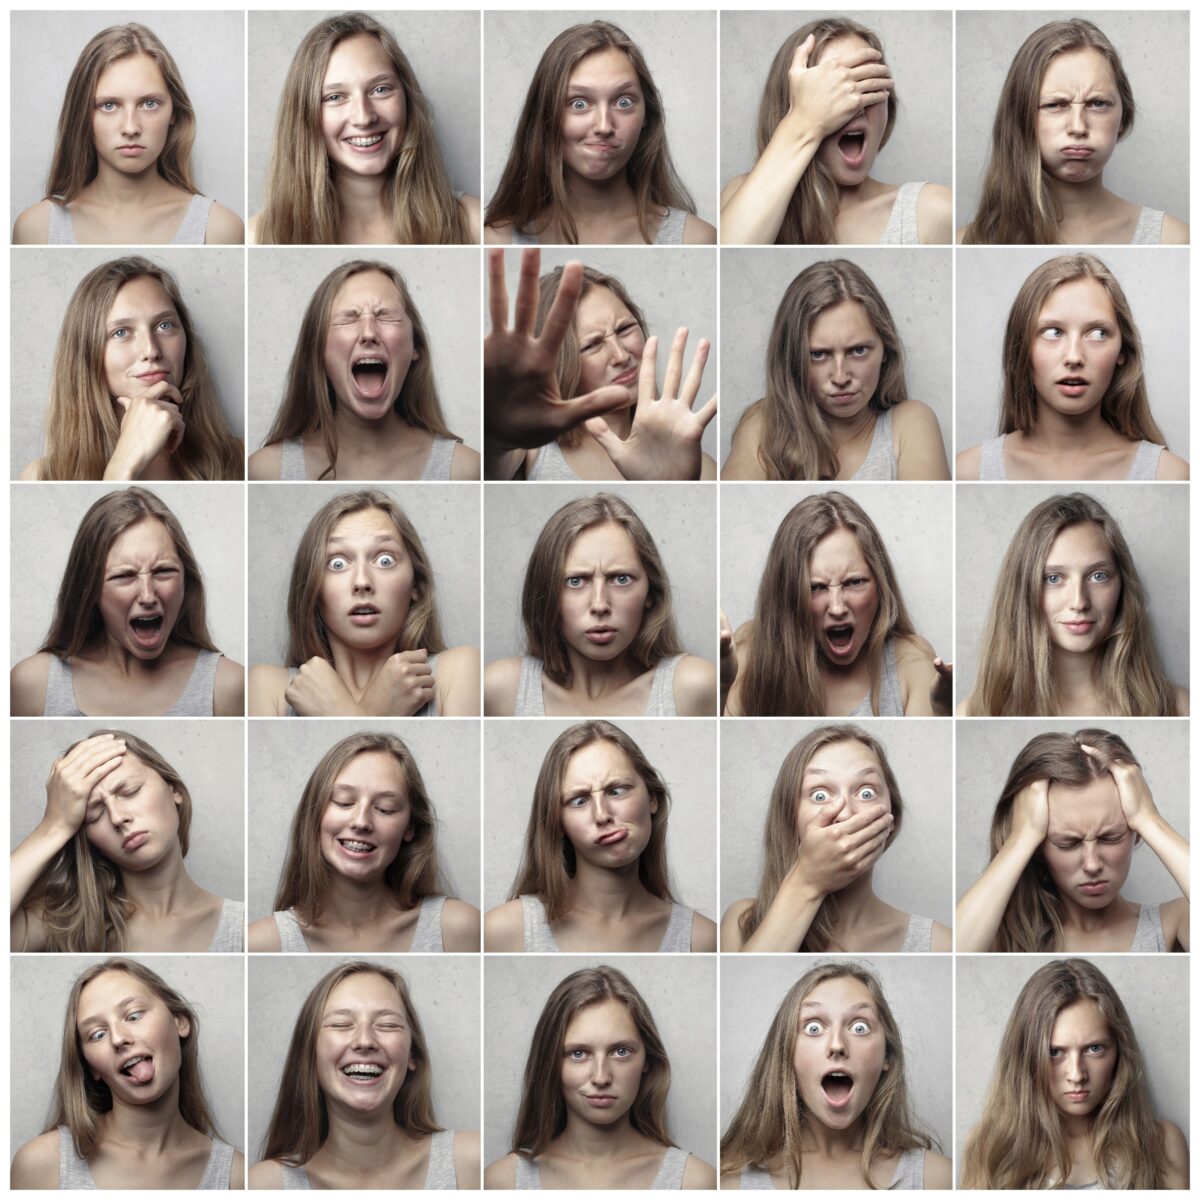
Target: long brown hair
[
  {"x": 533, "y": 183},
  {"x": 543, "y": 1112},
  {"x": 300, "y": 1122}
]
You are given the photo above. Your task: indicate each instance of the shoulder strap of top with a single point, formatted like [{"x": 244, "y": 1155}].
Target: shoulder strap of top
[
  {"x": 891, "y": 703},
  {"x": 901, "y": 228},
  {"x": 755, "y": 1179},
  {"x": 73, "y": 1172},
  {"x": 670, "y": 228},
  {"x": 880, "y": 460},
  {"x": 229, "y": 938},
  {"x": 530, "y": 702},
  {"x": 910, "y": 1171},
  {"x": 220, "y": 1163},
  {"x": 440, "y": 1176},
  {"x": 441, "y": 459},
  {"x": 678, "y": 935},
  {"x": 1148, "y": 231},
  {"x": 291, "y": 459},
  {"x": 195, "y": 222},
  {"x": 991, "y": 459},
  {"x": 60, "y": 231},
  {"x": 295, "y": 1179},
  {"x": 662, "y": 689},
  {"x": 670, "y": 1173},
  {"x": 60, "y": 690},
  {"x": 537, "y": 937},
  {"x": 918, "y": 937},
  {"x": 196, "y": 700},
  {"x": 529, "y": 1175},
  {"x": 1148, "y": 936},
  {"x": 1145, "y": 461},
  {"x": 551, "y": 464},
  {"x": 427, "y": 937},
  {"x": 291, "y": 939}
]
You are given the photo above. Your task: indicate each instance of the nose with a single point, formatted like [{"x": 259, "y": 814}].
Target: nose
[
  {"x": 836, "y": 604},
  {"x": 115, "y": 814},
  {"x": 1073, "y": 346},
  {"x": 617, "y": 353},
  {"x": 837, "y": 1042},
  {"x": 1077, "y": 1068},
  {"x": 600, "y": 810},
  {"x": 361, "y": 577},
  {"x": 360, "y": 818},
  {"x": 130, "y": 125},
  {"x": 601, "y": 1070},
  {"x": 1077, "y": 120},
  {"x": 145, "y": 588},
  {"x": 362, "y": 111},
  {"x": 120, "y": 1036},
  {"x": 364, "y": 1037},
  {"x": 602, "y": 119},
  {"x": 599, "y": 600},
  {"x": 368, "y": 328},
  {"x": 1092, "y": 864},
  {"x": 841, "y": 369},
  {"x": 1079, "y": 596}
]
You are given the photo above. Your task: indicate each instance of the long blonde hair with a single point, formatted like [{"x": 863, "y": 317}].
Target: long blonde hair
[
  {"x": 533, "y": 183},
  {"x": 770, "y": 1120},
  {"x": 300, "y": 1122},
  {"x": 75, "y": 163},
  {"x": 302, "y": 204},
  {"x": 796, "y": 442},
  {"x": 1126, "y": 405},
  {"x": 782, "y": 674},
  {"x": 82, "y": 422},
  {"x": 1019, "y": 1143},
  {"x": 811, "y": 216},
  {"x": 1015, "y": 204},
  {"x": 309, "y": 401},
  {"x": 542, "y": 1115},
  {"x": 781, "y": 834},
  {"x": 1016, "y": 673}
]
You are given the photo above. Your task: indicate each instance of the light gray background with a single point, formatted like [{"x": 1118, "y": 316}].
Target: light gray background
[
  {"x": 283, "y": 754},
  {"x": 681, "y": 993},
  {"x": 914, "y": 874},
  {"x": 44, "y": 522},
  {"x": 917, "y": 288},
  {"x": 913, "y": 519},
  {"x": 444, "y": 992},
  {"x": 917, "y": 46},
  {"x": 209, "y": 50},
  {"x": 442, "y": 48},
  {"x": 1149, "y": 165},
  {"x": 683, "y": 753},
  {"x": 1156, "y": 286},
  {"x": 1154, "y": 990},
  {"x": 208, "y": 756},
  {"x": 210, "y": 282},
  {"x": 212, "y": 984},
  {"x": 986, "y": 752},
  {"x": 445, "y": 517},
  {"x": 680, "y": 49},
  {"x": 1153, "y": 519},
  {"x": 918, "y": 992},
  {"x": 671, "y": 290},
  {"x": 444, "y": 284},
  {"x": 681, "y": 518}
]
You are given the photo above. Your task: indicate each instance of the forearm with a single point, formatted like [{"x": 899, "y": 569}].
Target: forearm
[
  {"x": 1172, "y": 849},
  {"x": 498, "y": 463},
  {"x": 978, "y": 914},
  {"x": 754, "y": 214},
  {"x": 30, "y": 859},
  {"x": 788, "y": 917}
]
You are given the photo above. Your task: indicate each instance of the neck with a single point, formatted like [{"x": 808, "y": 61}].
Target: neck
[
  {"x": 363, "y": 1143},
  {"x": 1074, "y": 672},
  {"x": 118, "y": 658},
  {"x": 357, "y": 905},
  {"x": 857, "y": 904},
  {"x": 598, "y": 678},
  {"x": 1078, "y": 1130},
  {"x": 146, "y": 1129},
  {"x": 1077, "y": 200},
  {"x": 845, "y": 432},
  {"x": 599, "y": 198},
  {"x": 819, "y": 1139},
  {"x": 858, "y": 193},
  {"x": 116, "y": 189},
  {"x": 361, "y": 198},
  {"x": 583, "y": 1140},
  {"x": 620, "y": 422},
  {"x": 1089, "y": 920},
  {"x": 357, "y": 668},
  {"x": 163, "y": 889},
  {"x": 361, "y": 436},
  {"x": 1063, "y": 433},
  {"x": 610, "y": 893}
]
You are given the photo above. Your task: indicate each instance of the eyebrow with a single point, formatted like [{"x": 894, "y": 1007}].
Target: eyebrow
[
  {"x": 98, "y": 1020},
  {"x": 851, "y": 342},
  {"x": 1100, "y": 562},
  {"x": 610, "y": 1046},
  {"x": 861, "y": 1006},
  {"x": 147, "y": 96},
  {"x": 386, "y": 75},
  {"x": 387, "y": 794},
  {"x": 338, "y": 540},
  {"x": 349, "y": 1012},
  {"x": 863, "y": 773},
  {"x": 158, "y": 316},
  {"x": 625, "y": 86},
  {"x": 615, "y": 569}
]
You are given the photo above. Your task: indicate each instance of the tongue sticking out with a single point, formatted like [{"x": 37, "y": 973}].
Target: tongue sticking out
[
  {"x": 836, "y": 1087},
  {"x": 143, "y": 1071}
]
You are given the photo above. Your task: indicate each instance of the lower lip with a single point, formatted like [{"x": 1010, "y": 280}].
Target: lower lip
[
  {"x": 837, "y": 1105},
  {"x": 1078, "y": 1097},
  {"x": 600, "y": 637},
  {"x": 840, "y": 652},
  {"x": 1074, "y": 390},
  {"x": 601, "y": 1101},
  {"x": 614, "y": 839},
  {"x": 131, "y": 151},
  {"x": 1080, "y": 629},
  {"x": 148, "y": 640},
  {"x": 629, "y": 377},
  {"x": 1093, "y": 889},
  {"x": 605, "y": 148},
  {"x": 364, "y": 619},
  {"x": 373, "y": 149},
  {"x": 153, "y": 377},
  {"x": 358, "y": 855},
  {"x": 1077, "y": 153},
  {"x": 138, "y": 839}
]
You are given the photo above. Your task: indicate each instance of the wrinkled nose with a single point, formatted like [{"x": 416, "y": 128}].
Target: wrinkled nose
[
  {"x": 1092, "y": 863},
  {"x": 837, "y": 605}
]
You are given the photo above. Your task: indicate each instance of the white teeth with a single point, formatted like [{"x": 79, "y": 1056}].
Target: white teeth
[
  {"x": 366, "y": 141},
  {"x": 132, "y": 1062},
  {"x": 359, "y": 846},
  {"x": 368, "y": 1069},
  {"x": 364, "y": 362}
]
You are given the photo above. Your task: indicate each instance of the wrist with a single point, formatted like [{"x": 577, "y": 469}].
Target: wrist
[
  {"x": 54, "y": 832},
  {"x": 119, "y": 470},
  {"x": 799, "y": 132},
  {"x": 1145, "y": 822},
  {"x": 800, "y": 889}
]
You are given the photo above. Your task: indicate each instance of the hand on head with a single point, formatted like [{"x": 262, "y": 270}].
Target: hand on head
[
  {"x": 1137, "y": 803},
  {"x": 827, "y": 95}
]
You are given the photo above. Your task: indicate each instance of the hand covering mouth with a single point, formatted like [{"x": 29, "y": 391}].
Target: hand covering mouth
[
  {"x": 139, "y": 1068},
  {"x": 837, "y": 1086}
]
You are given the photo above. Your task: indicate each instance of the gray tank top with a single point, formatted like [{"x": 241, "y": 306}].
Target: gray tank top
[
  {"x": 991, "y": 460},
  {"x": 75, "y": 1175},
  {"x": 1148, "y": 936},
  {"x": 909, "y": 1175},
  {"x": 918, "y": 937},
  {"x": 669, "y": 1177},
  {"x": 440, "y": 1176},
  {"x": 531, "y": 702},
  {"x": 230, "y": 936},
  {"x": 880, "y": 462},
  {"x": 539, "y": 937},
  {"x": 426, "y": 937},
  {"x": 551, "y": 464},
  {"x": 670, "y": 231},
  {"x": 901, "y": 229},
  {"x": 437, "y": 465},
  {"x": 890, "y": 704},
  {"x": 196, "y": 699},
  {"x": 429, "y": 709},
  {"x": 1148, "y": 231},
  {"x": 61, "y": 231}
]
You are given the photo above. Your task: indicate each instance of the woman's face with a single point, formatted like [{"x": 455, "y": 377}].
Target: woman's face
[
  {"x": 129, "y": 1038},
  {"x": 144, "y": 340},
  {"x": 1081, "y": 589},
  {"x": 1083, "y": 1058},
  {"x": 364, "y": 1045},
  {"x": 132, "y": 815},
  {"x": 846, "y": 771},
  {"x": 845, "y": 356},
  {"x": 142, "y": 591},
  {"x": 610, "y": 343},
  {"x": 844, "y": 597},
  {"x": 132, "y": 114},
  {"x": 603, "y": 1061},
  {"x": 848, "y": 154},
  {"x": 367, "y": 584},
  {"x": 604, "y": 593},
  {"x": 606, "y": 808},
  {"x": 1079, "y": 115},
  {"x": 1089, "y": 847},
  {"x": 603, "y": 118},
  {"x": 367, "y": 818},
  {"x": 841, "y": 1051},
  {"x": 364, "y": 112},
  {"x": 369, "y": 346}
]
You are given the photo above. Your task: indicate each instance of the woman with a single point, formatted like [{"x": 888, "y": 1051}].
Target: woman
[
  {"x": 1065, "y": 104},
  {"x": 594, "y": 872},
  {"x": 835, "y": 808},
  {"x": 827, "y": 110},
  {"x": 104, "y": 868},
  {"x": 1068, "y": 1106},
  {"x": 122, "y": 167},
  {"x": 363, "y": 632},
  {"x": 599, "y": 625},
  {"x": 129, "y": 1109},
  {"x": 355, "y": 1103},
  {"x": 361, "y": 401},
  {"x": 594, "y": 1098},
  {"x": 589, "y": 161},
  {"x": 826, "y": 1103},
  {"x": 1090, "y": 650},
  {"x": 355, "y": 159},
  {"x": 830, "y": 635},
  {"x": 604, "y": 346},
  {"x": 1063, "y": 833},
  {"x": 129, "y": 636},
  {"x": 130, "y": 393},
  {"x": 1074, "y": 402},
  {"x": 837, "y": 404},
  {"x": 362, "y": 869}
]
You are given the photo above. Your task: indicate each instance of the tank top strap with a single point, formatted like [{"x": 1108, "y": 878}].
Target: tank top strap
[
  {"x": 678, "y": 935},
  {"x": 291, "y": 459},
  {"x": 530, "y": 701},
  {"x": 216, "y": 1173},
  {"x": 195, "y": 222},
  {"x": 529, "y": 1175},
  {"x": 670, "y": 229},
  {"x": 229, "y": 937},
  {"x": 1148, "y": 936},
  {"x": 670, "y": 1173},
  {"x": 551, "y": 464},
  {"x": 755, "y": 1179},
  {"x": 295, "y": 1179},
  {"x": 291, "y": 939},
  {"x": 60, "y": 691},
  {"x": 440, "y": 1177},
  {"x": 662, "y": 689},
  {"x": 1145, "y": 461},
  {"x": 1148, "y": 231},
  {"x": 918, "y": 937},
  {"x": 536, "y": 934},
  {"x": 441, "y": 459},
  {"x": 73, "y": 1173},
  {"x": 910, "y": 1171},
  {"x": 890, "y": 702},
  {"x": 427, "y": 936},
  {"x": 991, "y": 459},
  {"x": 880, "y": 460},
  {"x": 901, "y": 228},
  {"x": 60, "y": 231},
  {"x": 196, "y": 700}
]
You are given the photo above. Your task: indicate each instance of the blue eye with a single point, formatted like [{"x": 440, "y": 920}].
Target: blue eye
[
  {"x": 574, "y": 581},
  {"x": 338, "y": 563},
  {"x": 118, "y": 334},
  {"x": 1101, "y": 576},
  {"x": 812, "y": 1028},
  {"x": 153, "y": 104},
  {"x": 625, "y": 102},
  {"x": 578, "y": 104},
  {"x": 331, "y": 97},
  {"x": 821, "y": 796},
  {"x": 818, "y": 355},
  {"x": 386, "y": 560},
  {"x": 861, "y": 351},
  {"x": 1052, "y": 578},
  {"x": 622, "y": 579},
  {"x": 861, "y": 1028}
]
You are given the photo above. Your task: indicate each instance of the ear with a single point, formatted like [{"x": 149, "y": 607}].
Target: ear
[
  {"x": 416, "y": 354},
  {"x": 653, "y": 804},
  {"x": 409, "y": 833},
  {"x": 177, "y": 798},
  {"x": 887, "y": 1064},
  {"x": 412, "y": 1063},
  {"x": 183, "y": 1026},
  {"x": 1120, "y": 360},
  {"x": 649, "y": 601}
]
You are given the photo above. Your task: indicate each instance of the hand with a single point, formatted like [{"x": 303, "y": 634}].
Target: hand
[
  {"x": 834, "y": 853},
  {"x": 729, "y": 658},
  {"x": 1133, "y": 791},
  {"x": 151, "y": 425},
  {"x": 827, "y": 96},
  {"x": 664, "y": 442},
  {"x": 403, "y": 687},
  {"x": 1031, "y": 812},
  {"x": 521, "y": 405},
  {"x": 73, "y": 777},
  {"x": 317, "y": 690},
  {"x": 941, "y": 692}
]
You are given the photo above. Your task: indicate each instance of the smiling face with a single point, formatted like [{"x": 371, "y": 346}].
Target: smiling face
[
  {"x": 1089, "y": 847},
  {"x": 848, "y": 154},
  {"x": 144, "y": 339},
  {"x": 845, "y": 356},
  {"x": 846, "y": 771},
  {"x": 363, "y": 108},
  {"x": 610, "y": 343},
  {"x": 606, "y": 807},
  {"x": 603, "y": 115},
  {"x": 1081, "y": 589},
  {"x": 368, "y": 817},
  {"x": 142, "y": 591},
  {"x": 603, "y": 1061},
  {"x": 132, "y": 816},
  {"x": 1079, "y": 115},
  {"x": 844, "y": 598},
  {"x": 1083, "y": 1059},
  {"x": 132, "y": 115}
]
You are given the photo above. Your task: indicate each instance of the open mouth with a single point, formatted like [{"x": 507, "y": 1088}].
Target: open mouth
[
  {"x": 840, "y": 638},
  {"x": 362, "y": 1072},
  {"x": 837, "y": 1086},
  {"x": 140, "y": 1068},
  {"x": 852, "y": 146},
  {"x": 147, "y": 631},
  {"x": 364, "y": 614},
  {"x": 366, "y": 142},
  {"x": 370, "y": 377},
  {"x": 355, "y": 848}
]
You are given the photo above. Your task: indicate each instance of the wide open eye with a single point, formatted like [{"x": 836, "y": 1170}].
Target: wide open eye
[{"x": 812, "y": 1028}]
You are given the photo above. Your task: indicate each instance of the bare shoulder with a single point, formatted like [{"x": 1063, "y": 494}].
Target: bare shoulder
[
  {"x": 966, "y": 463},
  {"x": 743, "y": 461},
  {"x": 1175, "y": 1153},
  {"x": 743, "y": 635},
  {"x": 267, "y": 463},
  {"x": 915, "y": 416},
  {"x": 465, "y": 463},
  {"x": 731, "y": 930},
  {"x": 500, "y": 680},
  {"x": 470, "y": 208},
  {"x": 268, "y": 683},
  {"x": 704, "y": 934},
  {"x": 698, "y": 1176},
  {"x": 1183, "y": 701},
  {"x": 959, "y": 234},
  {"x": 466, "y": 1146},
  {"x": 35, "y": 469},
  {"x": 502, "y": 1174},
  {"x": 252, "y": 240},
  {"x": 941, "y": 941},
  {"x": 913, "y": 650},
  {"x": 27, "y": 685},
  {"x": 1170, "y": 466},
  {"x": 458, "y": 682},
  {"x": 504, "y": 928},
  {"x": 460, "y": 926},
  {"x": 697, "y": 232},
  {"x": 1174, "y": 232},
  {"x": 32, "y": 227},
  {"x": 237, "y": 1172},
  {"x": 938, "y": 1172},
  {"x": 695, "y": 687},
  {"x": 263, "y": 938},
  {"x": 497, "y": 235},
  {"x": 266, "y": 1176},
  {"x": 731, "y": 1181},
  {"x": 731, "y": 188},
  {"x": 229, "y": 691},
  {"x": 224, "y": 227},
  {"x": 935, "y": 216},
  {"x": 35, "y": 1165}
]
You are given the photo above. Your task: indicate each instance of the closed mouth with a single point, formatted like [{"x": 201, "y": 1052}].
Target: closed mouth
[
  {"x": 612, "y": 837},
  {"x": 1078, "y": 1095},
  {"x": 627, "y": 377},
  {"x": 1095, "y": 885},
  {"x": 1078, "y": 151},
  {"x": 600, "y": 1101},
  {"x": 135, "y": 840},
  {"x": 1079, "y": 626}
]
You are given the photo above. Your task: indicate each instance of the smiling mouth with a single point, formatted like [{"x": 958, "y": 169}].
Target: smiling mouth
[
  {"x": 363, "y": 1073},
  {"x": 365, "y": 142},
  {"x": 837, "y": 1087},
  {"x": 355, "y": 848}
]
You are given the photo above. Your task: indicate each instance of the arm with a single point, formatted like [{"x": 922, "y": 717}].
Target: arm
[
  {"x": 698, "y": 1176},
  {"x": 1170, "y": 467},
  {"x": 263, "y": 938},
  {"x": 500, "y": 682},
  {"x": 27, "y": 685},
  {"x": 920, "y": 453},
  {"x": 470, "y": 208},
  {"x": 457, "y": 682},
  {"x": 32, "y": 227},
  {"x": 935, "y": 216},
  {"x": 501, "y": 1175},
  {"x": 939, "y": 1175},
  {"x": 266, "y": 464},
  {"x": 465, "y": 464},
  {"x": 695, "y": 687},
  {"x": 460, "y": 927},
  {"x": 504, "y": 928},
  {"x": 151, "y": 424},
  {"x": 229, "y": 689},
  {"x": 927, "y": 681},
  {"x": 1175, "y": 1157},
  {"x": 267, "y": 686},
  {"x": 966, "y": 464},
  {"x": 466, "y": 1141},
  {"x": 697, "y": 232},
  {"x": 224, "y": 228},
  {"x": 1174, "y": 232},
  {"x": 729, "y": 665},
  {"x": 35, "y": 1165},
  {"x": 266, "y": 1176},
  {"x": 704, "y": 934}
]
